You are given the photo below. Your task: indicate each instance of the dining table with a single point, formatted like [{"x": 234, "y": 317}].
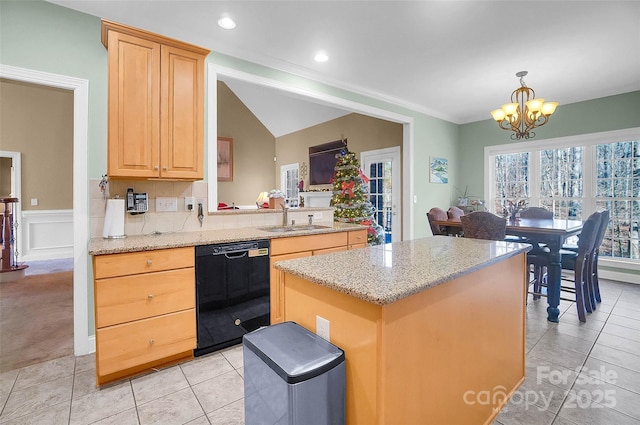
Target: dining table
[{"x": 552, "y": 233}]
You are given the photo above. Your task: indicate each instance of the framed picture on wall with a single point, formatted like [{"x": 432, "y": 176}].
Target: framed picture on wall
[
  {"x": 225, "y": 159},
  {"x": 439, "y": 170}
]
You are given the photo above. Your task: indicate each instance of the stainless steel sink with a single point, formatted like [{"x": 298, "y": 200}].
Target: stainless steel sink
[{"x": 298, "y": 227}]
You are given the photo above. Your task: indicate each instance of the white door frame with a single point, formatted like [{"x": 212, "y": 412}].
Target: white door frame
[
  {"x": 82, "y": 343},
  {"x": 376, "y": 156}
]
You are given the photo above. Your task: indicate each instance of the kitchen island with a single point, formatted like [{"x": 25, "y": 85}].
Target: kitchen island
[{"x": 433, "y": 329}]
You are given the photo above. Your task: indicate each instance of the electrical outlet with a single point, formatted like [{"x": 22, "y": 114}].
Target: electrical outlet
[
  {"x": 322, "y": 327},
  {"x": 189, "y": 203},
  {"x": 166, "y": 204},
  {"x": 202, "y": 201},
  {"x": 317, "y": 215}
]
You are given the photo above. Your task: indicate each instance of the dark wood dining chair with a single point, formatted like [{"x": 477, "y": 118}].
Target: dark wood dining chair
[
  {"x": 604, "y": 224},
  {"x": 483, "y": 225},
  {"x": 591, "y": 273},
  {"x": 454, "y": 213},
  {"x": 578, "y": 262},
  {"x": 437, "y": 214},
  {"x": 538, "y": 256}
]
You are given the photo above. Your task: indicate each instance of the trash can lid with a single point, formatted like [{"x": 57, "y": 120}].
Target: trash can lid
[{"x": 293, "y": 352}]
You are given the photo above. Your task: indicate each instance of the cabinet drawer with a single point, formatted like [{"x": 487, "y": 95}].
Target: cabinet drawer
[
  {"x": 329, "y": 250},
  {"x": 142, "y": 262},
  {"x": 308, "y": 243},
  {"x": 125, "y": 346},
  {"x": 358, "y": 237},
  {"x": 123, "y": 299}
]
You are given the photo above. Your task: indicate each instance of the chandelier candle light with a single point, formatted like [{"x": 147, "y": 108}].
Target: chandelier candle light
[{"x": 536, "y": 111}]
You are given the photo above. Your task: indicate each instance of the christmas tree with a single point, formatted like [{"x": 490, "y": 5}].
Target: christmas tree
[{"x": 351, "y": 197}]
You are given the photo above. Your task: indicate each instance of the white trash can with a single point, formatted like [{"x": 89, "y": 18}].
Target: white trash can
[{"x": 292, "y": 377}]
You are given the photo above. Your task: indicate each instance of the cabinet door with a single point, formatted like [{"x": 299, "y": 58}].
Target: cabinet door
[
  {"x": 182, "y": 114},
  {"x": 277, "y": 290},
  {"x": 134, "y": 106}
]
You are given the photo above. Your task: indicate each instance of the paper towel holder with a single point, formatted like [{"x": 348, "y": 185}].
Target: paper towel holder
[{"x": 114, "y": 219}]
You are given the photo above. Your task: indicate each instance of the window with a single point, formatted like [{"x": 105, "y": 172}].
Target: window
[
  {"x": 512, "y": 179},
  {"x": 573, "y": 177},
  {"x": 561, "y": 181},
  {"x": 289, "y": 183},
  {"x": 618, "y": 190}
]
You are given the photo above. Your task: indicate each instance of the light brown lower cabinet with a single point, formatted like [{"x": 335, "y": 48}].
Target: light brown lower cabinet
[
  {"x": 305, "y": 246},
  {"x": 144, "y": 310}
]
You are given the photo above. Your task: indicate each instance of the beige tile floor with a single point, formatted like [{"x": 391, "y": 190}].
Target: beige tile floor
[{"x": 577, "y": 374}]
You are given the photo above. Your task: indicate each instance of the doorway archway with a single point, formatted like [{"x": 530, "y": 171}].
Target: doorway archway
[{"x": 82, "y": 343}]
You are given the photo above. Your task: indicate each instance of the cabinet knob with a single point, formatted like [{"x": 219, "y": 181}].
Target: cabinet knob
[
  {"x": 151, "y": 341},
  {"x": 150, "y": 297},
  {"x": 149, "y": 262},
  {"x": 165, "y": 168},
  {"x": 155, "y": 167}
]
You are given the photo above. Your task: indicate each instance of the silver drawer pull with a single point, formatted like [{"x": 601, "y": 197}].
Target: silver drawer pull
[
  {"x": 237, "y": 322},
  {"x": 150, "y": 297},
  {"x": 151, "y": 341},
  {"x": 149, "y": 262}
]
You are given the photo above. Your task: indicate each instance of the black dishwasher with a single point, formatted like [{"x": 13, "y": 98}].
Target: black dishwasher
[{"x": 232, "y": 292}]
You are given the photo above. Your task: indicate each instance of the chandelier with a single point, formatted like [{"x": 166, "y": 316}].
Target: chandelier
[{"x": 536, "y": 111}]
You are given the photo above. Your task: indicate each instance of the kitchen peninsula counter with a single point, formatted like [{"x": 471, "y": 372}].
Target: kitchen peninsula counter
[
  {"x": 101, "y": 246},
  {"x": 433, "y": 329}
]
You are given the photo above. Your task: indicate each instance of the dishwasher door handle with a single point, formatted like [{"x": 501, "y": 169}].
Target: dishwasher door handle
[{"x": 233, "y": 257}]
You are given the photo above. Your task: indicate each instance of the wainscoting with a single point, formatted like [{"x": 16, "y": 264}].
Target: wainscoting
[{"x": 46, "y": 235}]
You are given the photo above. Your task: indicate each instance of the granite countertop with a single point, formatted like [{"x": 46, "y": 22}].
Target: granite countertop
[
  {"x": 383, "y": 274},
  {"x": 101, "y": 246}
]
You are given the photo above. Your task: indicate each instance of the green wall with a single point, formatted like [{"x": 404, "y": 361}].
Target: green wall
[
  {"x": 592, "y": 116},
  {"x": 45, "y": 37}
]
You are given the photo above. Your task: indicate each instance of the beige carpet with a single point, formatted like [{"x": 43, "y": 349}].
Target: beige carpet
[{"x": 36, "y": 319}]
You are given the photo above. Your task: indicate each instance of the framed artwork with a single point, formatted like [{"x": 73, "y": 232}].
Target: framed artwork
[
  {"x": 439, "y": 170},
  {"x": 225, "y": 159}
]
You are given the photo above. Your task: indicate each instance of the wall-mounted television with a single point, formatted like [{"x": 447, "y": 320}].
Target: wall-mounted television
[{"x": 322, "y": 161}]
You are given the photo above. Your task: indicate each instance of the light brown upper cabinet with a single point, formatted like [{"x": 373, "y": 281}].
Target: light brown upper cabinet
[{"x": 156, "y": 105}]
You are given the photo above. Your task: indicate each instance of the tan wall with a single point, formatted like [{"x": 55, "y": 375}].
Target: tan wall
[
  {"x": 363, "y": 133},
  {"x": 38, "y": 122},
  {"x": 253, "y": 151}
]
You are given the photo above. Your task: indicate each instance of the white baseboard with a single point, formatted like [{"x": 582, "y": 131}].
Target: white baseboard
[
  {"x": 84, "y": 346},
  {"x": 619, "y": 276},
  {"x": 46, "y": 235}
]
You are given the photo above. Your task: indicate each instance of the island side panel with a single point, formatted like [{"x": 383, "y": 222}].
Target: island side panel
[
  {"x": 401, "y": 356},
  {"x": 453, "y": 353},
  {"x": 355, "y": 327}
]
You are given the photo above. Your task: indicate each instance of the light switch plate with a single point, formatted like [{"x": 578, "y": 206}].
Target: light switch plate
[{"x": 166, "y": 204}]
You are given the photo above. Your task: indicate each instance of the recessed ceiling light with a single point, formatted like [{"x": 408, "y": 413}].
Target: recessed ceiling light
[
  {"x": 226, "y": 23},
  {"x": 321, "y": 57}
]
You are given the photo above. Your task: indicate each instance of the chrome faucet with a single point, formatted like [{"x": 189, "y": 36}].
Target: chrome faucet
[{"x": 285, "y": 210}]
